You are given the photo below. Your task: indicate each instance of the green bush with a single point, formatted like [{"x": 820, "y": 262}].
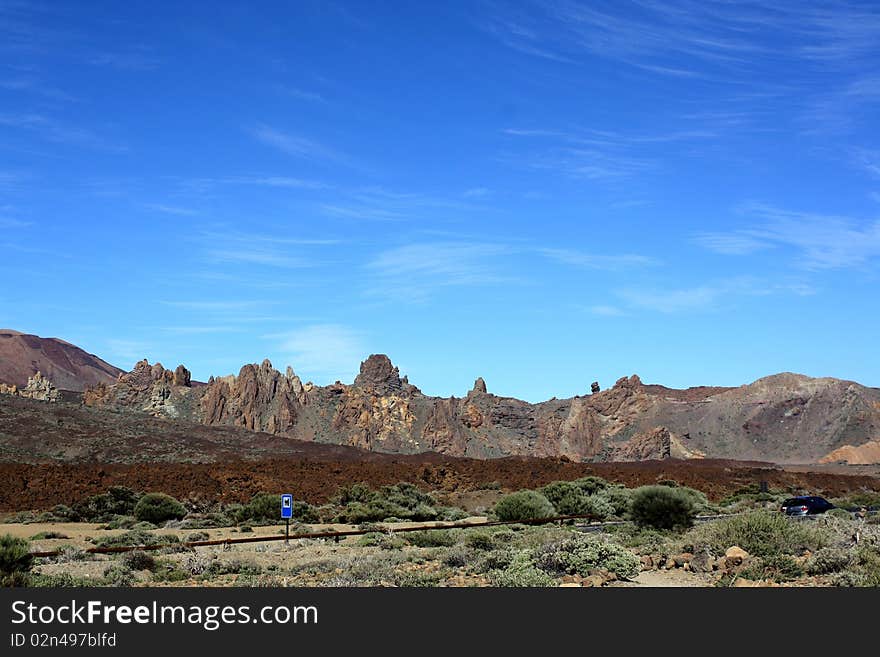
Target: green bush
[
  {"x": 136, "y": 537},
  {"x": 779, "y": 568},
  {"x": 579, "y": 554},
  {"x": 118, "y": 575},
  {"x": 479, "y": 540},
  {"x": 45, "y": 536},
  {"x": 158, "y": 508},
  {"x": 117, "y": 501},
  {"x": 524, "y": 505},
  {"x": 432, "y": 538},
  {"x": 382, "y": 540},
  {"x": 121, "y": 522},
  {"x": 195, "y": 537},
  {"x": 15, "y": 561},
  {"x": 591, "y": 485},
  {"x": 662, "y": 507},
  {"x": 403, "y": 501},
  {"x": 842, "y": 514},
  {"x": 138, "y": 560},
  {"x": 760, "y": 533},
  {"x": 521, "y": 572},
  {"x": 828, "y": 560},
  {"x": 265, "y": 508},
  {"x": 618, "y": 498}
]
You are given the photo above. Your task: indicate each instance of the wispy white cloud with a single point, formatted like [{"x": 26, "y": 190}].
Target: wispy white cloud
[
  {"x": 9, "y": 222},
  {"x": 135, "y": 59},
  {"x": 323, "y": 353},
  {"x": 735, "y": 243},
  {"x": 695, "y": 298},
  {"x": 35, "y": 87},
  {"x": 301, "y": 94},
  {"x": 585, "y": 260},
  {"x": 819, "y": 241},
  {"x": 414, "y": 271},
  {"x": 53, "y": 130},
  {"x": 296, "y": 145},
  {"x": 477, "y": 192},
  {"x": 171, "y": 209},
  {"x": 607, "y": 311}
]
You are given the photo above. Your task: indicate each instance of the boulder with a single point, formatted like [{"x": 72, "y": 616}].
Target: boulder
[{"x": 735, "y": 555}]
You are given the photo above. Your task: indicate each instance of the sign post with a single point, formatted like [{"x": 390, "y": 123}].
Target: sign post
[{"x": 287, "y": 514}]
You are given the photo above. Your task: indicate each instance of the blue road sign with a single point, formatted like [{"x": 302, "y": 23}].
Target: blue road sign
[{"x": 287, "y": 505}]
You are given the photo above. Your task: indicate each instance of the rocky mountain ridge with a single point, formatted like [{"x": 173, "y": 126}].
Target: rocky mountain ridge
[{"x": 782, "y": 418}]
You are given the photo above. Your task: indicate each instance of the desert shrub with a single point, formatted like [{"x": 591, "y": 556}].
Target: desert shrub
[
  {"x": 523, "y": 505},
  {"x": 497, "y": 559},
  {"x": 245, "y": 529},
  {"x": 579, "y": 554},
  {"x": 401, "y": 501},
  {"x": 865, "y": 568},
  {"x": 158, "y": 507},
  {"x": 828, "y": 560},
  {"x": 118, "y": 575},
  {"x": 432, "y": 538},
  {"x": 458, "y": 557},
  {"x": 860, "y": 499},
  {"x": 45, "y": 536},
  {"x": 382, "y": 540},
  {"x": 521, "y": 572},
  {"x": 479, "y": 540},
  {"x": 138, "y": 560},
  {"x": 121, "y": 522},
  {"x": 232, "y": 567},
  {"x": 15, "y": 561},
  {"x": 662, "y": 507},
  {"x": 566, "y": 497},
  {"x": 842, "y": 514},
  {"x": 58, "y": 581},
  {"x": 644, "y": 540},
  {"x": 195, "y": 537},
  {"x": 135, "y": 537},
  {"x": 451, "y": 513},
  {"x": 265, "y": 508},
  {"x": 618, "y": 498},
  {"x": 64, "y": 513},
  {"x": 591, "y": 484},
  {"x": 117, "y": 501},
  {"x": 779, "y": 568},
  {"x": 760, "y": 533},
  {"x": 70, "y": 553}
]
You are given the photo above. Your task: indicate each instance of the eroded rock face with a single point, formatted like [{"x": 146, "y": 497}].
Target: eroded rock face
[
  {"x": 382, "y": 411},
  {"x": 379, "y": 374},
  {"x": 38, "y": 387},
  {"x": 260, "y": 398}
]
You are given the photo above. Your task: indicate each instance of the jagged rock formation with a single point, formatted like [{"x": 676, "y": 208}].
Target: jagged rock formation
[
  {"x": 67, "y": 366},
  {"x": 38, "y": 387},
  {"x": 260, "y": 398},
  {"x": 787, "y": 417}
]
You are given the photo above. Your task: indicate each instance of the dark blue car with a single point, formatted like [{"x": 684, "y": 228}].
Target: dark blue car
[{"x": 806, "y": 505}]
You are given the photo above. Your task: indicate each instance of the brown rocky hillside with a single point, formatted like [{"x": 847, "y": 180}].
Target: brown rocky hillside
[
  {"x": 67, "y": 366},
  {"x": 785, "y": 418}
]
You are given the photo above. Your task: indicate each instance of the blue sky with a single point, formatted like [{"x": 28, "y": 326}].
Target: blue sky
[{"x": 540, "y": 193}]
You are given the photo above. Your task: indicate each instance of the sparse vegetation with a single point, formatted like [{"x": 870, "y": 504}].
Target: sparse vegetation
[
  {"x": 15, "y": 561},
  {"x": 761, "y": 533},
  {"x": 580, "y": 554}
]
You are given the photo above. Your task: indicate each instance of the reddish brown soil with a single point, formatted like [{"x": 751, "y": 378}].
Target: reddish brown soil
[{"x": 40, "y": 486}]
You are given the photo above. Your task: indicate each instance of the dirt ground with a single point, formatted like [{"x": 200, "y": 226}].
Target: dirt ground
[{"x": 41, "y": 486}]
